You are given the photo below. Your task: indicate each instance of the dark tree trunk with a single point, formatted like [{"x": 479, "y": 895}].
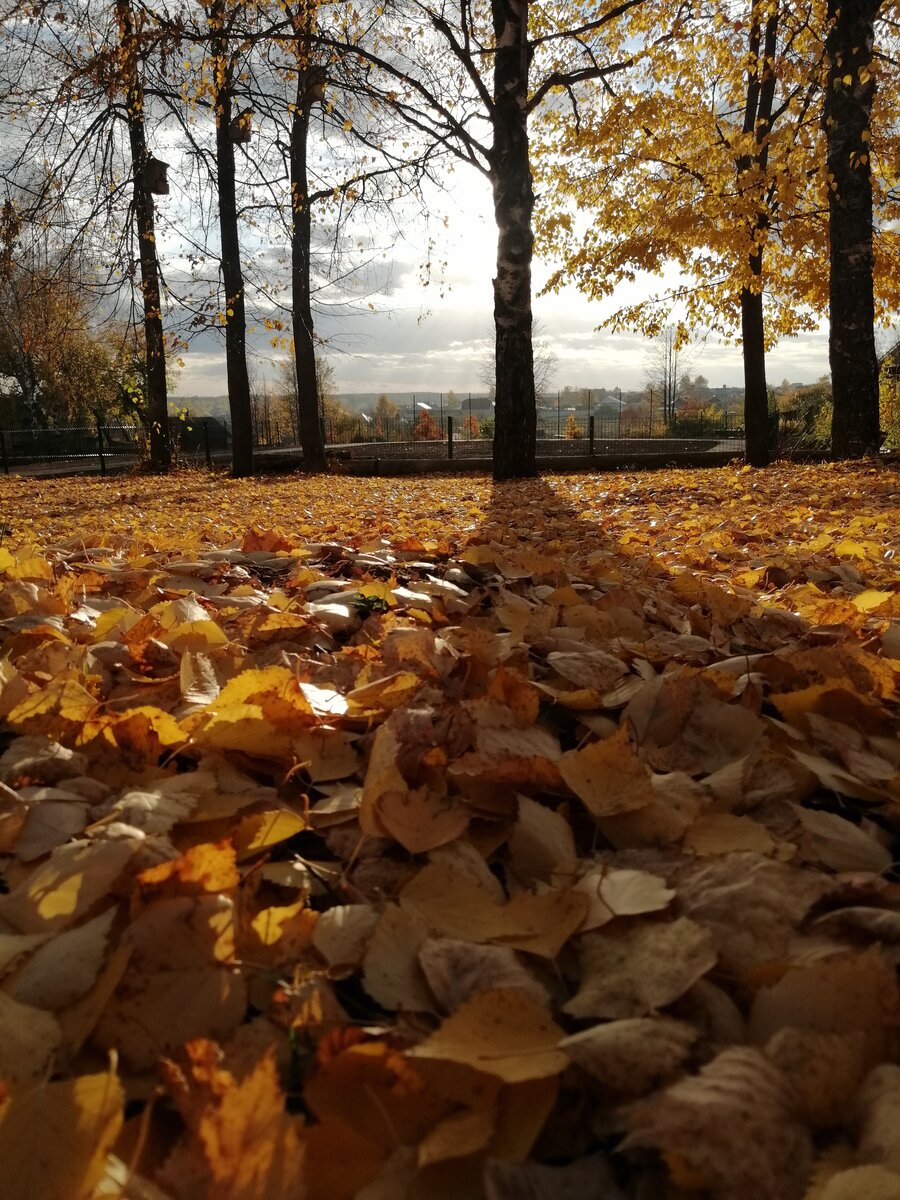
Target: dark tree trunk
[
  {"x": 157, "y": 406},
  {"x": 232, "y": 275},
  {"x": 515, "y": 428},
  {"x": 756, "y": 393},
  {"x": 309, "y": 91},
  {"x": 757, "y": 121},
  {"x": 851, "y": 341}
]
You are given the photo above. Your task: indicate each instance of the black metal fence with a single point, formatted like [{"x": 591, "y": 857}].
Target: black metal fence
[
  {"x": 103, "y": 446},
  {"x": 462, "y": 434}
]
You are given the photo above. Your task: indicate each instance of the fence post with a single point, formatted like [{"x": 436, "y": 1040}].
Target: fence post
[
  {"x": 591, "y": 434},
  {"x": 449, "y": 436},
  {"x": 324, "y": 433},
  {"x": 206, "y": 441},
  {"x": 3, "y": 452},
  {"x": 100, "y": 446}
]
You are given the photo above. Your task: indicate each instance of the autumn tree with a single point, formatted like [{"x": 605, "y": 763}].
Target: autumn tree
[
  {"x": 385, "y": 410},
  {"x": 426, "y": 428},
  {"x": 77, "y": 99},
  {"x": 471, "y": 75},
  {"x": 709, "y": 160}
]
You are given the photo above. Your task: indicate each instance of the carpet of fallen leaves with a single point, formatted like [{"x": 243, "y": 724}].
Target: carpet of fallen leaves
[{"x": 431, "y": 839}]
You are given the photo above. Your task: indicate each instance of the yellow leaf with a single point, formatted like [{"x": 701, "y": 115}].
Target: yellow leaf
[
  {"x": 259, "y": 830},
  {"x": 54, "y": 1138},
  {"x": 608, "y": 776},
  {"x": 502, "y": 1032}
]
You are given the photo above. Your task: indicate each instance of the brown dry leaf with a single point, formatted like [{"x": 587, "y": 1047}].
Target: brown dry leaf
[
  {"x": 750, "y": 905},
  {"x": 383, "y": 779},
  {"x": 709, "y": 1121},
  {"x": 459, "y": 1135},
  {"x": 420, "y": 819},
  {"x": 541, "y": 844},
  {"x": 713, "y": 834},
  {"x": 835, "y": 779},
  {"x": 454, "y": 905},
  {"x": 621, "y": 893},
  {"x": 456, "y": 970},
  {"x": 14, "y": 946},
  {"x": 629, "y": 972},
  {"x": 502, "y": 1032},
  {"x": 845, "y": 993},
  {"x": 339, "y": 1161},
  {"x": 877, "y": 1112},
  {"x": 522, "y": 1112},
  {"x": 63, "y": 889},
  {"x": 583, "y": 1179},
  {"x": 54, "y": 1137},
  {"x": 630, "y": 1055},
  {"x": 179, "y": 984},
  {"x": 825, "y": 1070},
  {"x": 198, "y": 678},
  {"x": 240, "y": 1142},
  {"x": 29, "y": 1039},
  {"x": 47, "y": 824},
  {"x": 840, "y": 844},
  {"x": 874, "y": 1183},
  {"x": 376, "y": 1090},
  {"x": 62, "y": 970},
  {"x": 391, "y": 971},
  {"x": 607, "y": 776},
  {"x": 682, "y": 723},
  {"x": 342, "y": 934}
]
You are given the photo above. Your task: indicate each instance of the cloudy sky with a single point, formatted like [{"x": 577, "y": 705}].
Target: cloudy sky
[{"x": 434, "y": 336}]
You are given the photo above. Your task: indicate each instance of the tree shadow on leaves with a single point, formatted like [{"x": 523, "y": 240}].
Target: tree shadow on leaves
[{"x": 532, "y": 515}]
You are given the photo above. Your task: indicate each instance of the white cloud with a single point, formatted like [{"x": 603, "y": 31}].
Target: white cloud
[{"x": 433, "y": 338}]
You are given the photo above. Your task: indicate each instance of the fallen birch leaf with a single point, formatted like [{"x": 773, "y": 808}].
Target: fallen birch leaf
[
  {"x": 708, "y": 1121},
  {"x": 607, "y": 776},
  {"x": 29, "y": 1039},
  {"x": 456, "y": 970},
  {"x": 54, "y": 1138},
  {"x": 67, "y": 885},
  {"x": 65, "y": 968},
  {"x": 240, "y": 1142},
  {"x": 630, "y": 972},
  {"x": 629, "y": 1055},
  {"x": 502, "y": 1032}
]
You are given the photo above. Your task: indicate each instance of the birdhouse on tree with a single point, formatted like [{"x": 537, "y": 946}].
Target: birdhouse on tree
[
  {"x": 155, "y": 179},
  {"x": 239, "y": 129}
]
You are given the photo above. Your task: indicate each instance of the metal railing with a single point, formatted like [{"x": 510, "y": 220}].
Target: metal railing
[
  {"x": 460, "y": 434},
  {"x": 106, "y": 444}
]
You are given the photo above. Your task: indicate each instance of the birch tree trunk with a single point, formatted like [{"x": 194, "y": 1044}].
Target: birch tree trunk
[
  {"x": 851, "y": 342},
  {"x": 309, "y": 90},
  {"x": 157, "y": 404},
  {"x": 232, "y": 275},
  {"x": 515, "y": 428}
]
